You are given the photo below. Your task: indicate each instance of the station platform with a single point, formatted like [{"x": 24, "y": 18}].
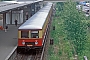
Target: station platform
[{"x": 8, "y": 41}]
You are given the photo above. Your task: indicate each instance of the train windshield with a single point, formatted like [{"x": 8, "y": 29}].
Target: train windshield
[
  {"x": 24, "y": 34},
  {"x": 34, "y": 34}
]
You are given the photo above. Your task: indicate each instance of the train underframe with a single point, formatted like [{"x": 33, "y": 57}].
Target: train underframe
[{"x": 23, "y": 49}]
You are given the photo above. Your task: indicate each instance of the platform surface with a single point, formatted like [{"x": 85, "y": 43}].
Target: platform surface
[{"x": 8, "y": 41}]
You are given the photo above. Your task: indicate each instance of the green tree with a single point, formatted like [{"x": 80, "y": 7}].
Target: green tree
[
  {"x": 74, "y": 28},
  {"x": 59, "y": 7}
]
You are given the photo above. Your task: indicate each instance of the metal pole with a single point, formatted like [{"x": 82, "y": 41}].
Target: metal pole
[{"x": 89, "y": 7}]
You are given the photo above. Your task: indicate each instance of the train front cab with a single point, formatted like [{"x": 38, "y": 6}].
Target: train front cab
[{"x": 29, "y": 39}]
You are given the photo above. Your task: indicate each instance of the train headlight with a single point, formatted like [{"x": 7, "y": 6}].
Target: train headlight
[
  {"x": 23, "y": 43},
  {"x": 36, "y": 42}
]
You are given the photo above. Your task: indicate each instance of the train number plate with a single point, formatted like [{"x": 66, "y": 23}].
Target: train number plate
[{"x": 29, "y": 45}]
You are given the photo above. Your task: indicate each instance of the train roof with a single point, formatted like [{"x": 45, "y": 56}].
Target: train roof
[{"x": 38, "y": 19}]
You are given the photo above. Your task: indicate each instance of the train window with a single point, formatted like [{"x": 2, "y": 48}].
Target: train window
[
  {"x": 34, "y": 34},
  {"x": 24, "y": 34}
]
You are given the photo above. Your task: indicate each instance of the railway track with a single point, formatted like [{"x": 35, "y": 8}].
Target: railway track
[{"x": 31, "y": 56}]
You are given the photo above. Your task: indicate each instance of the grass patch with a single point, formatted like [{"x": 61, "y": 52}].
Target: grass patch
[{"x": 61, "y": 50}]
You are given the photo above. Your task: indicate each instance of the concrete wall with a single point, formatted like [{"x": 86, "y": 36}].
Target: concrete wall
[
  {"x": 1, "y": 19},
  {"x": 1, "y": 22},
  {"x": 18, "y": 15},
  {"x": 7, "y": 18}
]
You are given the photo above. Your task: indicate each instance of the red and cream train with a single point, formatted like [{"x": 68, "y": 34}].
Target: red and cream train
[{"x": 33, "y": 32}]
